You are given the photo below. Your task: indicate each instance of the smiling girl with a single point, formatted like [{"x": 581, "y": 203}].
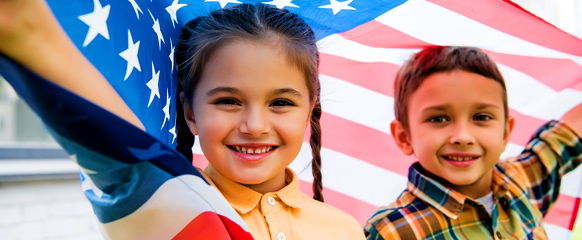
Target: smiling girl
[{"x": 249, "y": 88}]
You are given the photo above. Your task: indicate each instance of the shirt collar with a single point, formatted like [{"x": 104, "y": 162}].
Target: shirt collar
[
  {"x": 446, "y": 200},
  {"x": 244, "y": 199}
]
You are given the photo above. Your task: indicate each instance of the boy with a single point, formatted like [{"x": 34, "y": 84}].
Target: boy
[{"x": 451, "y": 113}]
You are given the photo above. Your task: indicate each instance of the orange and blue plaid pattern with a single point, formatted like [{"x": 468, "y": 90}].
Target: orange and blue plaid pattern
[{"x": 524, "y": 189}]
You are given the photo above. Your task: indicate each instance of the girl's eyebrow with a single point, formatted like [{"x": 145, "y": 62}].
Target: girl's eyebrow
[
  {"x": 286, "y": 91},
  {"x": 217, "y": 90}
]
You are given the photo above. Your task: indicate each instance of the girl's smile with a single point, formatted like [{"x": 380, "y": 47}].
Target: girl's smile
[{"x": 252, "y": 152}]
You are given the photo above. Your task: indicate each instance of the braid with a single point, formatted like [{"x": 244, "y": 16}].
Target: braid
[
  {"x": 315, "y": 142},
  {"x": 185, "y": 138}
]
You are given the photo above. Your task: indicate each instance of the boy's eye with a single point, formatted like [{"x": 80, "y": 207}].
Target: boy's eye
[
  {"x": 438, "y": 119},
  {"x": 483, "y": 117},
  {"x": 227, "y": 101},
  {"x": 282, "y": 103}
]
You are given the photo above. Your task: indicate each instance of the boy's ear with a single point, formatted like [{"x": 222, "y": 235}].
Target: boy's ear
[
  {"x": 189, "y": 115},
  {"x": 508, "y": 129},
  {"x": 401, "y": 137}
]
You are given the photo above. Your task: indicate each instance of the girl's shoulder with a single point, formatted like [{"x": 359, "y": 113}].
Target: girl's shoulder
[{"x": 327, "y": 217}]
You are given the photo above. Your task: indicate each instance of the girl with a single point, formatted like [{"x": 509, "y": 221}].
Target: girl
[
  {"x": 248, "y": 77},
  {"x": 249, "y": 87}
]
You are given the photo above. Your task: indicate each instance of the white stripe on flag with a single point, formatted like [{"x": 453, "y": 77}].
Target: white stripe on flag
[
  {"x": 351, "y": 176},
  {"x": 340, "y": 46},
  {"x": 437, "y": 25},
  {"x": 172, "y": 206},
  {"x": 357, "y": 104}
]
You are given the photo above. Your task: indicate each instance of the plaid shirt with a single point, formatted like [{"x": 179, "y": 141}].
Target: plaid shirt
[{"x": 524, "y": 189}]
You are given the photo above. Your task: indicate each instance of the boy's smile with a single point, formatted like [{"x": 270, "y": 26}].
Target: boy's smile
[
  {"x": 250, "y": 110},
  {"x": 457, "y": 130}
]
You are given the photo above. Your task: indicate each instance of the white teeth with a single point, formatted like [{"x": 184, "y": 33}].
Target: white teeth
[
  {"x": 460, "y": 158},
  {"x": 252, "y": 151}
]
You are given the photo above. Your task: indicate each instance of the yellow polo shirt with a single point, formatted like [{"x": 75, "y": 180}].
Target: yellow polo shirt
[{"x": 286, "y": 214}]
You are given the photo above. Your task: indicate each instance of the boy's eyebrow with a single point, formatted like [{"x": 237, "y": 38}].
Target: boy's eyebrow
[
  {"x": 286, "y": 91},
  {"x": 444, "y": 107},
  {"x": 486, "y": 105},
  {"x": 435, "y": 108},
  {"x": 222, "y": 89}
]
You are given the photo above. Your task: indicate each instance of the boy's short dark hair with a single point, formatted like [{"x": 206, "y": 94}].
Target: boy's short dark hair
[{"x": 437, "y": 59}]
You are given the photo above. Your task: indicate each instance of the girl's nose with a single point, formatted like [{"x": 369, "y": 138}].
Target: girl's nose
[
  {"x": 462, "y": 135},
  {"x": 255, "y": 122}
]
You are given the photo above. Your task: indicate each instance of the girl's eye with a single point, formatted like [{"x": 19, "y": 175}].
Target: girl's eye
[
  {"x": 282, "y": 103},
  {"x": 227, "y": 101},
  {"x": 438, "y": 119},
  {"x": 483, "y": 117}
]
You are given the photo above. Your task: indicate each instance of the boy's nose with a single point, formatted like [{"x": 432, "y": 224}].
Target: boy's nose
[
  {"x": 255, "y": 122},
  {"x": 462, "y": 135}
]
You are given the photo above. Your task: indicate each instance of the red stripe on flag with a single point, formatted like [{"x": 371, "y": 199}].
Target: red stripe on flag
[
  {"x": 364, "y": 143},
  {"x": 199, "y": 161},
  {"x": 497, "y": 14},
  {"x": 208, "y": 225},
  {"x": 524, "y": 127},
  {"x": 563, "y": 211},
  {"x": 377, "y": 77},
  {"x": 565, "y": 72},
  {"x": 235, "y": 231},
  {"x": 376, "y": 34},
  {"x": 360, "y": 210}
]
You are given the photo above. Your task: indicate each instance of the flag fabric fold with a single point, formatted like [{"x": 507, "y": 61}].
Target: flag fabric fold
[{"x": 139, "y": 187}]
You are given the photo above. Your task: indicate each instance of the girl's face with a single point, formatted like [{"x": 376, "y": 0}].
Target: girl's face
[{"x": 250, "y": 110}]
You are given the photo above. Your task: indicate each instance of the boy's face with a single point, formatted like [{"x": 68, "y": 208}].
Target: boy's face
[{"x": 457, "y": 129}]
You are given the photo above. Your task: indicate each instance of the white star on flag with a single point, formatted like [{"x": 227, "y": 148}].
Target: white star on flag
[
  {"x": 130, "y": 55},
  {"x": 158, "y": 31},
  {"x": 338, "y": 6},
  {"x": 173, "y": 132},
  {"x": 135, "y": 8},
  {"x": 166, "y": 109},
  {"x": 172, "y": 9},
  {"x": 153, "y": 84},
  {"x": 172, "y": 55},
  {"x": 282, "y": 3},
  {"x": 88, "y": 184},
  {"x": 97, "y": 21},
  {"x": 223, "y": 2}
]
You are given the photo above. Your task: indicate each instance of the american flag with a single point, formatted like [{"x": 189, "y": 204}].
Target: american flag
[{"x": 362, "y": 44}]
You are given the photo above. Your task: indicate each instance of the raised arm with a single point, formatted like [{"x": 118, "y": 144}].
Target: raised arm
[
  {"x": 574, "y": 119},
  {"x": 31, "y": 35}
]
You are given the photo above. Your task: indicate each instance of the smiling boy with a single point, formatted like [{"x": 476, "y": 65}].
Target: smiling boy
[{"x": 452, "y": 114}]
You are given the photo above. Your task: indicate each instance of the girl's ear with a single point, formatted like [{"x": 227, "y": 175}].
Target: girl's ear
[
  {"x": 189, "y": 115},
  {"x": 401, "y": 137}
]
